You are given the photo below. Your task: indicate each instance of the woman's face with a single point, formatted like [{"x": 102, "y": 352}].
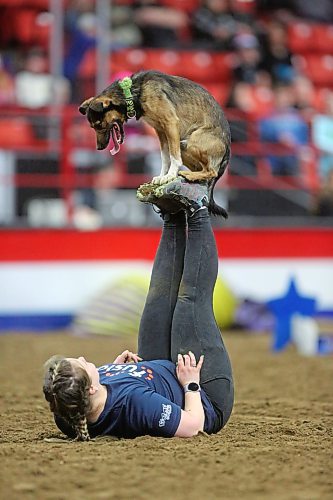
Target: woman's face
[{"x": 90, "y": 368}]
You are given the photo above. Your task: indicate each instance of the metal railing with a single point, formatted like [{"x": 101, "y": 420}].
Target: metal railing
[{"x": 60, "y": 134}]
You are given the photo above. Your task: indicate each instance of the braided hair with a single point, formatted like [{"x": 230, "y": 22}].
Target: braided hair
[{"x": 67, "y": 391}]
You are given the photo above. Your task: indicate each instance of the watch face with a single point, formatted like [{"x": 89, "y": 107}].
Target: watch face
[{"x": 193, "y": 386}]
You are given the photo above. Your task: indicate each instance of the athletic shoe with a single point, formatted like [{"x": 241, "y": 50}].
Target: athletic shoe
[
  {"x": 147, "y": 194},
  {"x": 192, "y": 196}
]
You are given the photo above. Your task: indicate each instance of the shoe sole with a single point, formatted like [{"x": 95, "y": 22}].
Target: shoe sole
[
  {"x": 164, "y": 203},
  {"x": 158, "y": 194},
  {"x": 174, "y": 194}
]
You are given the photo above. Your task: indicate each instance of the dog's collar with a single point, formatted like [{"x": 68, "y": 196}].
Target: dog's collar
[{"x": 126, "y": 84}]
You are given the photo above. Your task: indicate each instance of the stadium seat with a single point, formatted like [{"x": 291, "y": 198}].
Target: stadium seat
[
  {"x": 204, "y": 66},
  {"x": 39, "y": 4},
  {"x": 318, "y": 68},
  {"x": 255, "y": 101},
  {"x": 300, "y": 38},
  {"x": 323, "y": 38},
  {"x": 200, "y": 66},
  {"x": 36, "y": 4},
  {"x": 246, "y": 7},
  {"x": 124, "y": 60},
  {"x": 262, "y": 101},
  {"x": 224, "y": 63},
  {"x": 128, "y": 60},
  {"x": 220, "y": 91},
  {"x": 42, "y": 29},
  {"x": 185, "y": 5},
  {"x": 31, "y": 27},
  {"x": 24, "y": 26},
  {"x": 11, "y": 3},
  {"x": 15, "y": 133},
  {"x": 167, "y": 61},
  {"x": 7, "y": 28},
  {"x": 320, "y": 96},
  {"x": 87, "y": 67}
]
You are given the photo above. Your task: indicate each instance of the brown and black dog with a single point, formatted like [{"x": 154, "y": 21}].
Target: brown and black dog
[{"x": 190, "y": 124}]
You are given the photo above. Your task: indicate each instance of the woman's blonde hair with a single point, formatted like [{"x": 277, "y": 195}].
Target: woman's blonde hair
[{"x": 67, "y": 391}]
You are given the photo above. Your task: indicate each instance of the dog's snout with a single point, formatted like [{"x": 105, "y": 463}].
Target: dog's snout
[{"x": 102, "y": 140}]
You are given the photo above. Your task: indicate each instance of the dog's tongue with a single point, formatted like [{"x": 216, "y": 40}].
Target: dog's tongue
[{"x": 115, "y": 132}]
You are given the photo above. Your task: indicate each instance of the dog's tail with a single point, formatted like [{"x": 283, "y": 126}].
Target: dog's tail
[{"x": 213, "y": 207}]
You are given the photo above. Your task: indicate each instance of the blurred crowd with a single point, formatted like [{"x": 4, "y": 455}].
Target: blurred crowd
[{"x": 269, "y": 40}]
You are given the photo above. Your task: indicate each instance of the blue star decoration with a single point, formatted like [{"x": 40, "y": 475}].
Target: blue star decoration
[{"x": 283, "y": 309}]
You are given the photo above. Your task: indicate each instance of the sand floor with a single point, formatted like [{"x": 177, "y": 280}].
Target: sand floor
[{"x": 277, "y": 445}]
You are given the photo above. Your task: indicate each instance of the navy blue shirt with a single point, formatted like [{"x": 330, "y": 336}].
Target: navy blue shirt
[{"x": 142, "y": 399}]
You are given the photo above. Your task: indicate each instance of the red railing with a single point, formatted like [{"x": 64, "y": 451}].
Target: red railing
[{"x": 65, "y": 130}]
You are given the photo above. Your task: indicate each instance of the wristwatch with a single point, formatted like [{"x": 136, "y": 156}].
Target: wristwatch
[{"x": 192, "y": 387}]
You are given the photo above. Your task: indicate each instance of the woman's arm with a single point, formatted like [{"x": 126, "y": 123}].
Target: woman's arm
[{"x": 192, "y": 417}]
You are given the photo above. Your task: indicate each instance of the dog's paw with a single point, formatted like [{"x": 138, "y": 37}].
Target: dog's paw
[
  {"x": 164, "y": 179},
  {"x": 157, "y": 180}
]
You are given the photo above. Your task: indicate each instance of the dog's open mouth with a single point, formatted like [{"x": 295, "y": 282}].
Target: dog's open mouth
[{"x": 117, "y": 135}]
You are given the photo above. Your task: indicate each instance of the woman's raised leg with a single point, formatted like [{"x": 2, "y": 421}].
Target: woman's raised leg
[
  {"x": 194, "y": 326},
  {"x": 155, "y": 326}
]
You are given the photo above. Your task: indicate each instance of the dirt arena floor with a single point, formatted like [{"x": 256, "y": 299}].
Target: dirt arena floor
[{"x": 277, "y": 445}]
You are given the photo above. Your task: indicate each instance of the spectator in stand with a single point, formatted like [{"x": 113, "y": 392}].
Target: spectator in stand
[
  {"x": 285, "y": 126},
  {"x": 276, "y": 59},
  {"x": 255, "y": 100},
  {"x": 125, "y": 33},
  {"x": 318, "y": 11},
  {"x": 214, "y": 25},
  {"x": 244, "y": 12},
  {"x": 160, "y": 26},
  {"x": 323, "y": 203},
  {"x": 248, "y": 58},
  {"x": 7, "y": 93},
  {"x": 304, "y": 93},
  {"x": 269, "y": 5},
  {"x": 81, "y": 29},
  {"x": 35, "y": 86},
  {"x": 81, "y": 35},
  {"x": 322, "y": 135}
]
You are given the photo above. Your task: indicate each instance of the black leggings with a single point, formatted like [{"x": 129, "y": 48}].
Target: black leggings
[{"x": 178, "y": 314}]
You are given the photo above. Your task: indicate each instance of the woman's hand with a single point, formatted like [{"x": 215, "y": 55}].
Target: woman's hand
[
  {"x": 188, "y": 370},
  {"x": 127, "y": 357}
]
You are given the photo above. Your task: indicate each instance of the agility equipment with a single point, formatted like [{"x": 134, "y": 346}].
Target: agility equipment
[
  {"x": 224, "y": 304},
  {"x": 117, "y": 310}
]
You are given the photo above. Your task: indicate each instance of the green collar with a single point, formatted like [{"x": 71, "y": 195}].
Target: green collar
[{"x": 125, "y": 86}]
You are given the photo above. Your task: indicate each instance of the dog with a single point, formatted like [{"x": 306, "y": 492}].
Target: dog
[{"x": 191, "y": 126}]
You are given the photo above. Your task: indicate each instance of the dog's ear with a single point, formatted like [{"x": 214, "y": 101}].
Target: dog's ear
[
  {"x": 84, "y": 106},
  {"x": 99, "y": 105}
]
